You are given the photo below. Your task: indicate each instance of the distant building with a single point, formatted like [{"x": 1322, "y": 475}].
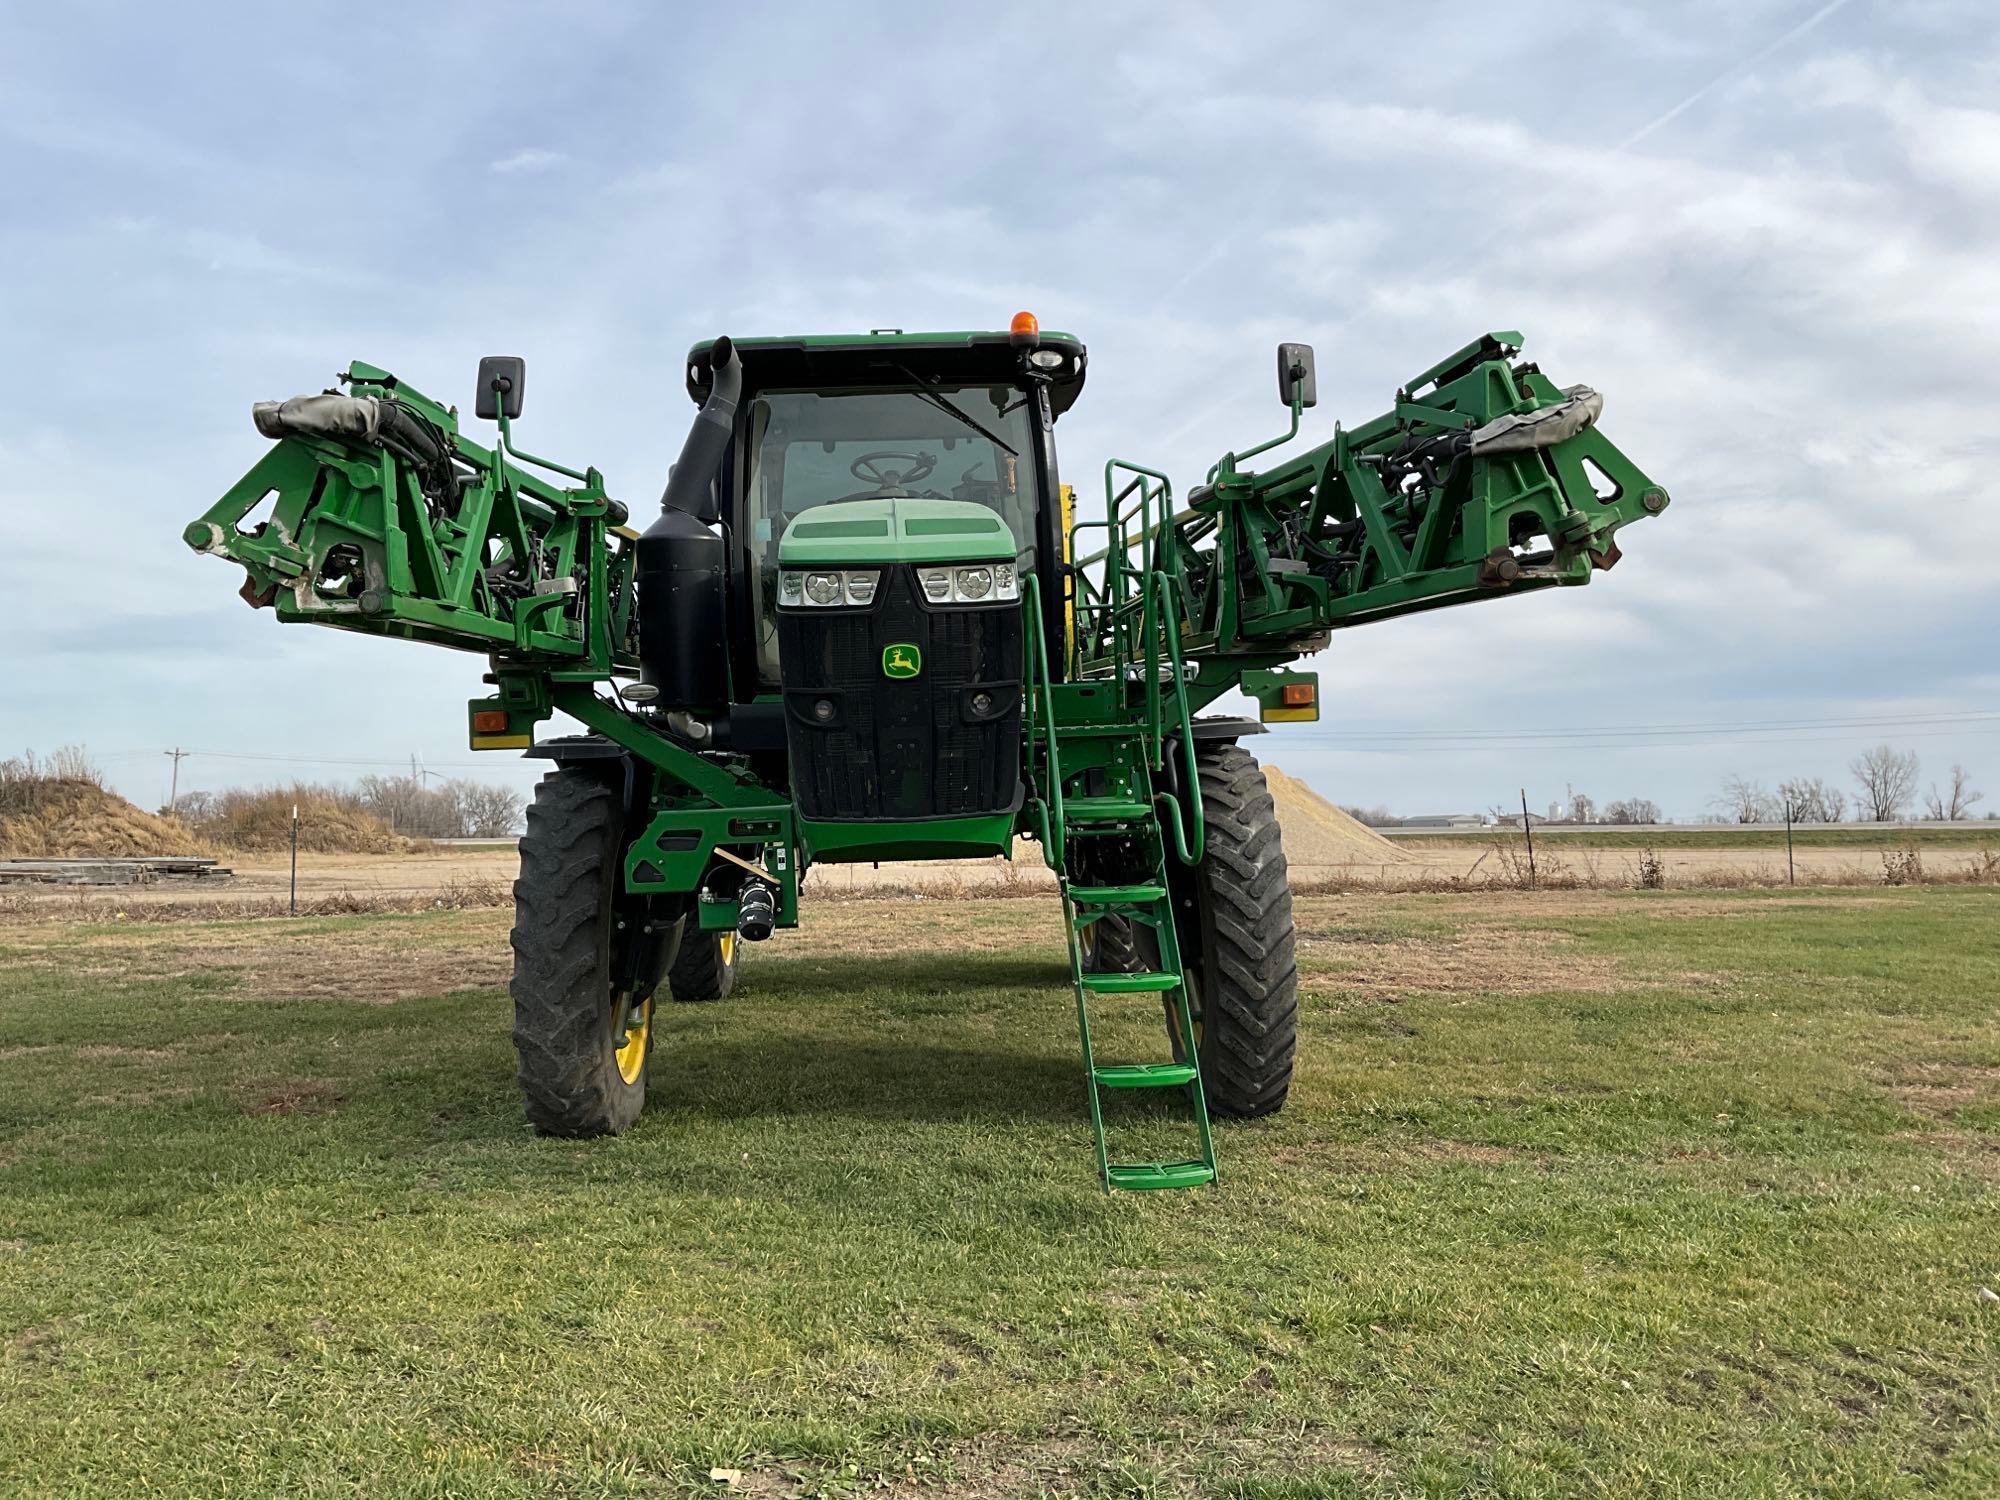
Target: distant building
[{"x": 1445, "y": 820}]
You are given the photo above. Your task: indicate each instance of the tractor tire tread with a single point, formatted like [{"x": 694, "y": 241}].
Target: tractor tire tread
[
  {"x": 561, "y": 981},
  {"x": 1251, "y": 1007}
]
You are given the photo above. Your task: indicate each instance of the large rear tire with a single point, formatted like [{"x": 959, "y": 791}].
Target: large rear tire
[
  {"x": 582, "y": 1031},
  {"x": 1237, "y": 941}
]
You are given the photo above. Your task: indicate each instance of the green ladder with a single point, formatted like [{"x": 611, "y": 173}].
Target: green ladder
[{"x": 1146, "y": 904}]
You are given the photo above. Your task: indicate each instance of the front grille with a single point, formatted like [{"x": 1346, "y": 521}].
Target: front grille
[{"x": 902, "y": 747}]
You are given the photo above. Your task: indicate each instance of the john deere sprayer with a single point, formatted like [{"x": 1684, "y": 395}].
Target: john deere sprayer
[{"x": 866, "y": 625}]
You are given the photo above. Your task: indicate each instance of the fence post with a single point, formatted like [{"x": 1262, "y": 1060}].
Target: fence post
[
  {"x": 1791, "y": 873},
  {"x": 1528, "y": 827},
  {"x": 295, "y": 859}
]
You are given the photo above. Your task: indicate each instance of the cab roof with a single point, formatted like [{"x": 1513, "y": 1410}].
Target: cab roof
[{"x": 806, "y": 361}]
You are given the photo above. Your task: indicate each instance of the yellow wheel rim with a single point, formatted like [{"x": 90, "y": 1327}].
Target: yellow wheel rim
[
  {"x": 727, "y": 948},
  {"x": 631, "y": 1052}
]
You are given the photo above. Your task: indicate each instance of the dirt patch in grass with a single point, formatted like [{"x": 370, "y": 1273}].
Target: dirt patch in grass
[
  {"x": 1394, "y": 1157},
  {"x": 305, "y": 1096},
  {"x": 1487, "y": 960},
  {"x": 1006, "y": 1468},
  {"x": 378, "y": 964},
  {"x": 1511, "y": 906},
  {"x": 1975, "y": 1155},
  {"x": 105, "y": 1052},
  {"x": 375, "y": 973},
  {"x": 1937, "y": 1090}
]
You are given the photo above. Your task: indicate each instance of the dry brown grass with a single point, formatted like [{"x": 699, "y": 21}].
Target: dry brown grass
[
  {"x": 331, "y": 821},
  {"x": 84, "y": 904},
  {"x": 377, "y": 963},
  {"x": 1489, "y": 957}
]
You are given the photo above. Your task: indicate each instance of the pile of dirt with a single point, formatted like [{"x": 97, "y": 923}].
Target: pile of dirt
[
  {"x": 1318, "y": 833},
  {"x": 54, "y": 816}
]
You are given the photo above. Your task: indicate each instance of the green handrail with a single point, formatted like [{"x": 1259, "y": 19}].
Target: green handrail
[
  {"x": 1038, "y": 669},
  {"x": 1186, "y": 851}
]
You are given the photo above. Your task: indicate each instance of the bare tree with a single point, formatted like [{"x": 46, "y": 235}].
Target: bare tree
[
  {"x": 1582, "y": 808},
  {"x": 488, "y": 811},
  {"x": 413, "y": 807},
  {"x": 1632, "y": 810},
  {"x": 194, "y": 807},
  {"x": 1747, "y": 802},
  {"x": 1813, "y": 800},
  {"x": 1887, "y": 778},
  {"x": 1955, "y": 802},
  {"x": 1372, "y": 817}
]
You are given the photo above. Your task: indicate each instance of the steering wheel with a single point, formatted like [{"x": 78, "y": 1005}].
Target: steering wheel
[{"x": 868, "y": 469}]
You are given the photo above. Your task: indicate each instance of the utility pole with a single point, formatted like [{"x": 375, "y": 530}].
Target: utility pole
[{"x": 179, "y": 755}]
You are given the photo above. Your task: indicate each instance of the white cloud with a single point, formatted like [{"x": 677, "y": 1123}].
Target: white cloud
[{"x": 531, "y": 159}]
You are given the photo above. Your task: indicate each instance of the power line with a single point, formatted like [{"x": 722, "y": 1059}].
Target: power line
[{"x": 300, "y": 760}]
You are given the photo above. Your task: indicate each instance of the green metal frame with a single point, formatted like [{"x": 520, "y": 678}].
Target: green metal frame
[
  {"x": 1261, "y": 566},
  {"x": 426, "y": 572}
]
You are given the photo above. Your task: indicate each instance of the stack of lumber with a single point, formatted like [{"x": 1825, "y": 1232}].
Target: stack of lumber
[{"x": 143, "y": 870}]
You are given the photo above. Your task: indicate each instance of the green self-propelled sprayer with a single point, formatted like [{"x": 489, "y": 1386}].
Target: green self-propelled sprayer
[{"x": 867, "y": 625}]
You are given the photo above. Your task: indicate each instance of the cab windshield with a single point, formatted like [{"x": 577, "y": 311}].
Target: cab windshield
[{"x": 813, "y": 448}]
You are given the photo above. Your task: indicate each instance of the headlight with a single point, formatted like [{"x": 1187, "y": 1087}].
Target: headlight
[
  {"x": 974, "y": 583},
  {"x": 855, "y": 586}
]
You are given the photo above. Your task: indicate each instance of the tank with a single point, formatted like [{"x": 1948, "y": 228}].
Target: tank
[{"x": 683, "y": 622}]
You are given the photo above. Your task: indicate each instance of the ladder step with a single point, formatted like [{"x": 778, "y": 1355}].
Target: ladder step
[
  {"x": 1128, "y": 984},
  {"x": 1104, "y": 810},
  {"x": 1144, "y": 1075},
  {"x": 1116, "y": 895},
  {"x": 1143, "y": 1176}
]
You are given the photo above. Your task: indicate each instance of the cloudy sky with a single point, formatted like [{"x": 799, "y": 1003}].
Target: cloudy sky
[{"x": 1768, "y": 230}]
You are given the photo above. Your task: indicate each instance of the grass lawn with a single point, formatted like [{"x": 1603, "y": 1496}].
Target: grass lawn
[{"x": 1620, "y": 1194}]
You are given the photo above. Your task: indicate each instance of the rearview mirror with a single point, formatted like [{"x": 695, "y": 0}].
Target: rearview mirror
[
  {"x": 1297, "y": 384},
  {"x": 503, "y": 379}
]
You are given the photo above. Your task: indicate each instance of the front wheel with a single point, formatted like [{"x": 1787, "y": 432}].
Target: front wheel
[
  {"x": 1238, "y": 947},
  {"x": 585, "y": 965},
  {"x": 705, "y": 968},
  {"x": 1111, "y": 946}
]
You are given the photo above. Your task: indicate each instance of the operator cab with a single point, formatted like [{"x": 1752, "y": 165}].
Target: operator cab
[
  {"x": 839, "y": 421},
  {"x": 889, "y": 507}
]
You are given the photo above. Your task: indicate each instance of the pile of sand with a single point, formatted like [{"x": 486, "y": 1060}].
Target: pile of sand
[
  {"x": 56, "y": 816},
  {"x": 1318, "y": 833}
]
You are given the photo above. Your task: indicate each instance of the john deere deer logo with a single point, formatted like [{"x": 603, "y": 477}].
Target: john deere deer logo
[{"x": 901, "y": 661}]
